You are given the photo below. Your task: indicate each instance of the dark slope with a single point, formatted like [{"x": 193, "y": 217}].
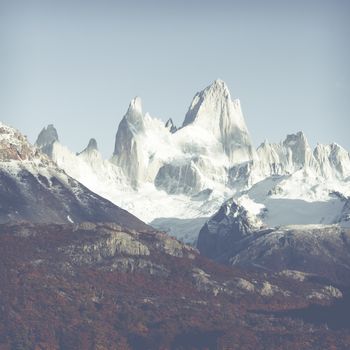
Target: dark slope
[
  {"x": 91, "y": 286},
  {"x": 33, "y": 188}
]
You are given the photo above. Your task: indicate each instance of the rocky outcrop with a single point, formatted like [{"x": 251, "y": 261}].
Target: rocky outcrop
[
  {"x": 14, "y": 146},
  {"x": 313, "y": 249},
  {"x": 46, "y": 138},
  {"x": 223, "y": 232},
  {"x": 295, "y": 153},
  {"x": 171, "y": 126},
  {"x": 171, "y": 246},
  {"x": 136, "y": 265},
  {"x": 92, "y": 146},
  {"x": 127, "y": 150},
  {"x": 333, "y": 160},
  {"x": 233, "y": 236},
  {"x": 106, "y": 245},
  {"x": 96, "y": 283},
  {"x": 326, "y": 293},
  {"x": 213, "y": 109},
  {"x": 181, "y": 178}
]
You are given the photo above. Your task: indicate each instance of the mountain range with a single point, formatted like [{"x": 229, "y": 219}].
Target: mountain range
[
  {"x": 176, "y": 178},
  {"x": 271, "y": 266}
]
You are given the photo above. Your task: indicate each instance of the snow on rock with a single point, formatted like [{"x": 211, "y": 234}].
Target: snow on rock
[
  {"x": 213, "y": 109},
  {"x": 220, "y": 235},
  {"x": 46, "y": 138},
  {"x": 186, "y": 160},
  {"x": 128, "y": 150},
  {"x": 91, "y": 147},
  {"x": 171, "y": 126},
  {"x": 14, "y": 146},
  {"x": 33, "y": 188},
  {"x": 333, "y": 160},
  {"x": 165, "y": 174}
]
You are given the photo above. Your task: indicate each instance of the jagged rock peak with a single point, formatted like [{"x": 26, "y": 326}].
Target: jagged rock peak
[
  {"x": 218, "y": 87},
  {"x": 332, "y": 158},
  {"x": 335, "y": 147},
  {"x": 171, "y": 126},
  {"x": 301, "y": 151},
  {"x": 134, "y": 113},
  {"x": 296, "y": 139},
  {"x": 47, "y": 136},
  {"x": 14, "y": 145},
  {"x": 127, "y": 150},
  {"x": 213, "y": 111},
  {"x": 265, "y": 144},
  {"x": 92, "y": 146},
  {"x": 220, "y": 234},
  {"x": 215, "y": 94},
  {"x": 136, "y": 104}
]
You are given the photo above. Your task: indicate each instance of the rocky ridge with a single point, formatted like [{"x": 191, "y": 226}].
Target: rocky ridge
[
  {"x": 73, "y": 285},
  {"x": 155, "y": 162}
]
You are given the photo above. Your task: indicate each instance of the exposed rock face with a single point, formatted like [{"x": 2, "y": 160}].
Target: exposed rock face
[
  {"x": 295, "y": 153},
  {"x": 106, "y": 246},
  {"x": 13, "y": 145},
  {"x": 33, "y": 188},
  {"x": 127, "y": 151},
  {"x": 345, "y": 214},
  {"x": 219, "y": 237},
  {"x": 171, "y": 126},
  {"x": 214, "y": 110},
  {"x": 137, "y": 265},
  {"x": 92, "y": 146},
  {"x": 298, "y": 151},
  {"x": 328, "y": 292},
  {"x": 211, "y": 151},
  {"x": 312, "y": 249},
  {"x": 173, "y": 247},
  {"x": 99, "y": 242},
  {"x": 204, "y": 283},
  {"x": 179, "y": 178},
  {"x": 46, "y": 138},
  {"x": 213, "y": 129},
  {"x": 229, "y": 237},
  {"x": 54, "y": 197},
  {"x": 333, "y": 160},
  {"x": 292, "y": 154}
]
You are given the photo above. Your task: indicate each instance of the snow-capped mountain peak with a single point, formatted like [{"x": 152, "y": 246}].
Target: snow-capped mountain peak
[
  {"x": 47, "y": 136},
  {"x": 208, "y": 103},
  {"x": 14, "y": 146},
  {"x": 213, "y": 109},
  {"x": 171, "y": 175},
  {"x": 299, "y": 152},
  {"x": 127, "y": 150},
  {"x": 92, "y": 146},
  {"x": 333, "y": 159},
  {"x": 33, "y": 188},
  {"x": 134, "y": 115}
]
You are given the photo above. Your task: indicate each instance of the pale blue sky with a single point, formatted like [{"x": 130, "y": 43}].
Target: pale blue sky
[{"x": 77, "y": 64}]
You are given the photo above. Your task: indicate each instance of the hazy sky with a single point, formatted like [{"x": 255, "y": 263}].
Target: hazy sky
[{"x": 77, "y": 64}]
